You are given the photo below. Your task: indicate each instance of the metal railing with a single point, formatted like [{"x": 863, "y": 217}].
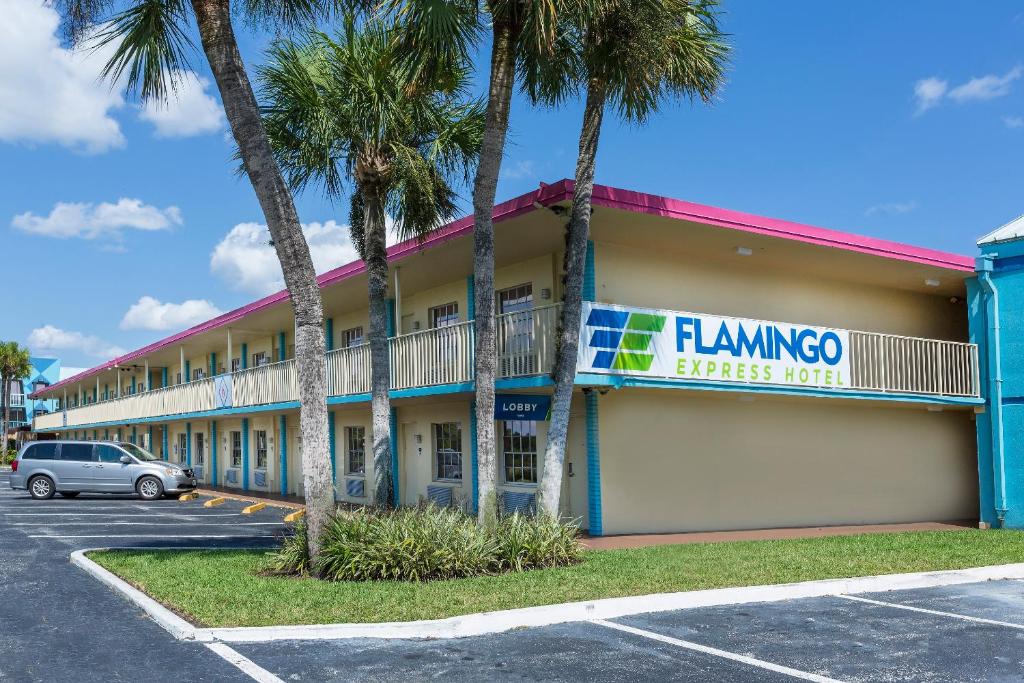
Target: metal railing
[
  {"x": 894, "y": 364},
  {"x": 17, "y": 400}
]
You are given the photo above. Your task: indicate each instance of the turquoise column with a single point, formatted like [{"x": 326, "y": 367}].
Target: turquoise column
[
  {"x": 282, "y": 350},
  {"x": 245, "y": 454},
  {"x": 213, "y": 363},
  {"x": 213, "y": 451},
  {"x": 106, "y": 392},
  {"x": 332, "y": 446},
  {"x": 245, "y": 356},
  {"x": 188, "y": 444},
  {"x": 150, "y": 437},
  {"x": 391, "y": 318},
  {"x": 283, "y": 424},
  {"x": 393, "y": 429},
  {"x": 474, "y": 466},
  {"x": 329, "y": 332},
  {"x": 135, "y": 436},
  {"x": 594, "y": 517},
  {"x": 95, "y": 394},
  {"x": 470, "y": 298},
  {"x": 163, "y": 377},
  {"x": 188, "y": 372},
  {"x": 166, "y": 457},
  {"x": 589, "y": 276}
]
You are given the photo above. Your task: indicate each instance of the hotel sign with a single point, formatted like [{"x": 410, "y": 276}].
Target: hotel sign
[{"x": 646, "y": 342}]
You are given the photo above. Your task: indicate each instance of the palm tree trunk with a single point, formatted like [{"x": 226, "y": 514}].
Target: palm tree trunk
[
  {"x": 375, "y": 252},
  {"x": 550, "y": 489},
  {"x": 218, "y": 39},
  {"x": 485, "y": 186}
]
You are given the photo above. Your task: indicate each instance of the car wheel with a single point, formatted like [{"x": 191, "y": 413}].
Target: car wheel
[
  {"x": 41, "y": 488},
  {"x": 69, "y": 494},
  {"x": 149, "y": 488}
]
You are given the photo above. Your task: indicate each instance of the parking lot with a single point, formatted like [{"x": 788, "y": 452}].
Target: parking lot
[{"x": 60, "y": 624}]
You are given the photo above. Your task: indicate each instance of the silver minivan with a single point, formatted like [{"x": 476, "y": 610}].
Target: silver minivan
[{"x": 73, "y": 467}]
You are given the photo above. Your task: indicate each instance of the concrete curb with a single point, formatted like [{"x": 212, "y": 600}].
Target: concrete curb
[{"x": 484, "y": 623}]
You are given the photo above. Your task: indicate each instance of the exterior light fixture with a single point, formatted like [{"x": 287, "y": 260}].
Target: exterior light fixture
[
  {"x": 744, "y": 251},
  {"x": 545, "y": 294},
  {"x": 931, "y": 282}
]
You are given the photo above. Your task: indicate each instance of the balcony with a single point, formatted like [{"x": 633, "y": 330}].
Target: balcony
[
  {"x": 526, "y": 343},
  {"x": 17, "y": 401}
]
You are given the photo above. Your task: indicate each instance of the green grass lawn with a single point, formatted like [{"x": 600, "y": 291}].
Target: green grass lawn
[{"x": 222, "y": 588}]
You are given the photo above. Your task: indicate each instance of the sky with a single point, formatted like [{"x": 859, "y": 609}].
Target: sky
[{"x": 122, "y": 223}]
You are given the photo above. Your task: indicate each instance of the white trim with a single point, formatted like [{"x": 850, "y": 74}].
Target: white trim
[
  {"x": 938, "y": 613},
  {"x": 715, "y": 652},
  {"x": 483, "y": 623}
]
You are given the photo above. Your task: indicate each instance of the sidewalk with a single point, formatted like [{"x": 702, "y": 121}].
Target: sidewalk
[
  {"x": 643, "y": 540},
  {"x": 291, "y": 502}
]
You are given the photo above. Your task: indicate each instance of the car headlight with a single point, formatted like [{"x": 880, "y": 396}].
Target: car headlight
[{"x": 171, "y": 471}]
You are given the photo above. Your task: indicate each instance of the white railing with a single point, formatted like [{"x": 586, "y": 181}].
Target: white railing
[
  {"x": 890, "y": 363},
  {"x": 17, "y": 400},
  {"x": 526, "y": 345}
]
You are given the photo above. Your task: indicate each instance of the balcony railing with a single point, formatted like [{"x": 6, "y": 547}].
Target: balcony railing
[
  {"x": 17, "y": 400},
  {"x": 526, "y": 343}
]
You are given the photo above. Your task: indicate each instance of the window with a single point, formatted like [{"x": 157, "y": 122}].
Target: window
[
  {"x": 261, "y": 449},
  {"x": 179, "y": 378},
  {"x": 76, "y": 452},
  {"x": 448, "y": 451},
  {"x": 200, "y": 454},
  {"x": 260, "y": 358},
  {"x": 519, "y": 451},
  {"x": 198, "y": 374},
  {"x": 236, "y": 449},
  {"x": 355, "y": 450},
  {"x": 109, "y": 453},
  {"x": 351, "y": 337},
  {"x": 444, "y": 316},
  {"x": 41, "y": 451},
  {"x": 236, "y": 364},
  {"x": 182, "y": 446}
]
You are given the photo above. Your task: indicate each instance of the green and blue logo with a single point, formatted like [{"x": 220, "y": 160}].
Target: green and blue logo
[{"x": 623, "y": 338}]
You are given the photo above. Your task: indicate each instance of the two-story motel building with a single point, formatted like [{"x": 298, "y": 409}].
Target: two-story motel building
[{"x": 735, "y": 372}]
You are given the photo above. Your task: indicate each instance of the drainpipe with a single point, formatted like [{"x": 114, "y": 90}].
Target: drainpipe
[{"x": 996, "y": 384}]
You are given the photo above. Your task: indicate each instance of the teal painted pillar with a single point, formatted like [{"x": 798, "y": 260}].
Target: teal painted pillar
[
  {"x": 283, "y": 428},
  {"x": 164, "y": 440},
  {"x": 282, "y": 348},
  {"x": 149, "y": 437},
  {"x": 106, "y": 392},
  {"x": 213, "y": 363},
  {"x": 188, "y": 444},
  {"x": 135, "y": 436},
  {"x": 188, "y": 372},
  {"x": 391, "y": 318},
  {"x": 474, "y": 466},
  {"x": 213, "y": 451},
  {"x": 245, "y": 356},
  {"x": 393, "y": 429},
  {"x": 594, "y": 517},
  {"x": 332, "y": 449},
  {"x": 163, "y": 377},
  {"x": 470, "y": 298},
  {"x": 329, "y": 332},
  {"x": 245, "y": 454},
  {"x": 95, "y": 395},
  {"x": 589, "y": 274}
]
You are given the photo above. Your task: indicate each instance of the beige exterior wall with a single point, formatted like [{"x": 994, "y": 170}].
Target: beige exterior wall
[
  {"x": 695, "y": 461},
  {"x": 348, "y": 417},
  {"x": 681, "y": 282}
]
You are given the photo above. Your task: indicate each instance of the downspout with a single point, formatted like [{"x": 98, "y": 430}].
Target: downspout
[{"x": 996, "y": 384}]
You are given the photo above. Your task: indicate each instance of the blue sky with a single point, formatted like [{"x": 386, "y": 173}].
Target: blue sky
[{"x": 898, "y": 120}]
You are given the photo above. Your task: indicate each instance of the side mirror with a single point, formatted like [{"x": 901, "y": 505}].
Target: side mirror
[{"x": 126, "y": 459}]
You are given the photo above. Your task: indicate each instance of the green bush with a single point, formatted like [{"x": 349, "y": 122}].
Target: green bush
[
  {"x": 7, "y": 456},
  {"x": 427, "y": 543}
]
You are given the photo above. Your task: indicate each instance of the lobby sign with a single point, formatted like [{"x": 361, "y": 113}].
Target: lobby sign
[
  {"x": 522, "y": 407},
  {"x": 647, "y": 342}
]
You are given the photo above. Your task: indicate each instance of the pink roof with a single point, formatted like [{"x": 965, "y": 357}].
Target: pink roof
[{"x": 603, "y": 195}]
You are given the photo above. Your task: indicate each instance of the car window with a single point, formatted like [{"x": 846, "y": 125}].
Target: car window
[
  {"x": 78, "y": 452},
  {"x": 109, "y": 453},
  {"x": 40, "y": 451}
]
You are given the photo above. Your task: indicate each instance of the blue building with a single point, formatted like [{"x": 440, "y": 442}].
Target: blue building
[{"x": 42, "y": 373}]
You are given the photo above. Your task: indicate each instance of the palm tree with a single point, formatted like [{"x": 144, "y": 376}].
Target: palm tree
[
  {"x": 14, "y": 364},
  {"x": 152, "y": 45},
  {"x": 635, "y": 55},
  {"x": 526, "y": 47},
  {"x": 352, "y": 108}
]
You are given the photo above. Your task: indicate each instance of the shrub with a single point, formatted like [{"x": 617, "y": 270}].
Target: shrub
[
  {"x": 7, "y": 456},
  {"x": 427, "y": 543}
]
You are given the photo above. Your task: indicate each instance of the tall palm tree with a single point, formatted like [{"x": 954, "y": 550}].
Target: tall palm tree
[
  {"x": 353, "y": 108},
  {"x": 526, "y": 48},
  {"x": 152, "y": 43},
  {"x": 634, "y": 55},
  {"x": 14, "y": 364}
]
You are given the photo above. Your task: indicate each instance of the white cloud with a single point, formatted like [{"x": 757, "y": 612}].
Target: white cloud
[
  {"x": 1014, "y": 121},
  {"x": 152, "y": 314},
  {"x": 189, "y": 111},
  {"x": 247, "y": 262},
  {"x": 89, "y": 221},
  {"x": 49, "y": 94},
  {"x": 986, "y": 87},
  {"x": 48, "y": 338},
  {"x": 891, "y": 209},
  {"x": 518, "y": 170},
  {"x": 928, "y": 92}
]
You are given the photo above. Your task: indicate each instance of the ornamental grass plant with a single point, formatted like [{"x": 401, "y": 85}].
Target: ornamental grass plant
[{"x": 426, "y": 544}]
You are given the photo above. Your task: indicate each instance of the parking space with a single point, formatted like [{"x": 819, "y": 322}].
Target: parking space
[{"x": 972, "y": 632}]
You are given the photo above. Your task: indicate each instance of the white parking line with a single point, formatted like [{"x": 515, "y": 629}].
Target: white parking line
[
  {"x": 938, "y": 613},
  {"x": 696, "y": 647},
  {"x": 177, "y": 524},
  {"x": 253, "y": 670},
  {"x": 198, "y": 515},
  {"x": 163, "y": 536}
]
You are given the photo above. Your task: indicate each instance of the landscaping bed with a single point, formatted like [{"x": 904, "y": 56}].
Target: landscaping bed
[{"x": 218, "y": 588}]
